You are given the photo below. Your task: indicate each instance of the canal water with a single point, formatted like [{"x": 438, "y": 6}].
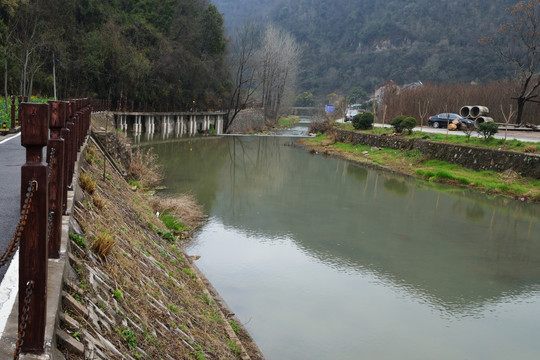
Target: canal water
[{"x": 324, "y": 259}]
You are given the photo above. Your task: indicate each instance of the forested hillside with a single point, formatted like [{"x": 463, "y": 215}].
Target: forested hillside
[
  {"x": 368, "y": 43},
  {"x": 161, "y": 51}
]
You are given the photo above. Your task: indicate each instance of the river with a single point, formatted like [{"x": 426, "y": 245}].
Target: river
[{"x": 324, "y": 259}]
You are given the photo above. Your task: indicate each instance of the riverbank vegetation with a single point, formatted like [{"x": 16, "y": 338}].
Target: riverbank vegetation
[
  {"x": 289, "y": 121},
  {"x": 155, "y": 302},
  {"x": 415, "y": 164},
  {"x": 452, "y": 138}
]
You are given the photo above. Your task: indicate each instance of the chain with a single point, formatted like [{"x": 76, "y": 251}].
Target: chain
[
  {"x": 49, "y": 225},
  {"x": 10, "y": 250},
  {"x": 24, "y": 319},
  {"x": 51, "y": 161}
]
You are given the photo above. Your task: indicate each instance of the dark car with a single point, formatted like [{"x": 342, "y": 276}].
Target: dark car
[{"x": 443, "y": 119}]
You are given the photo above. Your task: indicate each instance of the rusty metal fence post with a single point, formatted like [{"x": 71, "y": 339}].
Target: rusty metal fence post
[{"x": 33, "y": 244}]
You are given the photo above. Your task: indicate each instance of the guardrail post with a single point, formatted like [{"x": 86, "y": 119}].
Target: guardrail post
[
  {"x": 33, "y": 243},
  {"x": 71, "y": 145},
  {"x": 66, "y": 135},
  {"x": 55, "y": 159}
]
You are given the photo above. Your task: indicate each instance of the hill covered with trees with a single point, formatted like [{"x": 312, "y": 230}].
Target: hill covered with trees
[
  {"x": 367, "y": 43},
  {"x": 154, "y": 51}
]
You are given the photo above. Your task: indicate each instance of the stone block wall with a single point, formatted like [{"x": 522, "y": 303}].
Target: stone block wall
[{"x": 479, "y": 159}]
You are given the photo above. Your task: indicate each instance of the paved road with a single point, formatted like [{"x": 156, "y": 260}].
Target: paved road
[{"x": 12, "y": 156}]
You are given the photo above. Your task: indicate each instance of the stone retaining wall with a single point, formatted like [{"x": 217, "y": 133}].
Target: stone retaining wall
[{"x": 471, "y": 157}]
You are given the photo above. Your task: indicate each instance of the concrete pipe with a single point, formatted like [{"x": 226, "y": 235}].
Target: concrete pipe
[
  {"x": 465, "y": 111},
  {"x": 482, "y": 119},
  {"x": 478, "y": 110}
]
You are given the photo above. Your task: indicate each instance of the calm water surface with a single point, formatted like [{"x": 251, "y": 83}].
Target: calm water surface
[{"x": 324, "y": 259}]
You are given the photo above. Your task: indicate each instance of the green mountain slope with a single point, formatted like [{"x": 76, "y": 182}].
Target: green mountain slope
[{"x": 367, "y": 43}]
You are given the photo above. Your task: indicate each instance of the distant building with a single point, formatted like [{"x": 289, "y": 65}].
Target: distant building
[{"x": 379, "y": 92}]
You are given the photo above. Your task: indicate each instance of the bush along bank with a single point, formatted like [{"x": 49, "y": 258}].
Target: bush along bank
[
  {"x": 134, "y": 293},
  {"x": 492, "y": 171}
]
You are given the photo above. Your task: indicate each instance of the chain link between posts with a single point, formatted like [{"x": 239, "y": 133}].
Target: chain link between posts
[
  {"x": 52, "y": 158},
  {"x": 12, "y": 247},
  {"x": 24, "y": 319}
]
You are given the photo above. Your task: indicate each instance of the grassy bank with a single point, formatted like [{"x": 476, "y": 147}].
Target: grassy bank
[
  {"x": 454, "y": 138},
  {"x": 159, "y": 306},
  {"x": 416, "y": 164},
  {"x": 287, "y": 122}
]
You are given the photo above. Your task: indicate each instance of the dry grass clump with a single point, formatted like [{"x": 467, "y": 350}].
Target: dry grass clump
[
  {"x": 185, "y": 207},
  {"x": 145, "y": 168},
  {"x": 103, "y": 244},
  {"x": 87, "y": 184},
  {"x": 531, "y": 149},
  {"x": 98, "y": 201}
]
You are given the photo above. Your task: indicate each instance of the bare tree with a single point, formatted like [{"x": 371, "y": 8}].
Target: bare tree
[
  {"x": 422, "y": 112},
  {"x": 243, "y": 70},
  {"x": 518, "y": 43},
  {"x": 278, "y": 61},
  {"x": 29, "y": 37},
  {"x": 507, "y": 119}
]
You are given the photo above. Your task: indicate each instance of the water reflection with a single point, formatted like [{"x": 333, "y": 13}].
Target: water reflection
[{"x": 456, "y": 252}]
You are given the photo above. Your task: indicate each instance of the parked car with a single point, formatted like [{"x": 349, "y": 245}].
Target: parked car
[{"x": 443, "y": 119}]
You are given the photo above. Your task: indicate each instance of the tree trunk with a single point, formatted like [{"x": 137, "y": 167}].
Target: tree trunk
[
  {"x": 6, "y": 79},
  {"x": 521, "y": 105}
]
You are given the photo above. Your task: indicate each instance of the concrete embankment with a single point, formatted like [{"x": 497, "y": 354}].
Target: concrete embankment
[{"x": 123, "y": 288}]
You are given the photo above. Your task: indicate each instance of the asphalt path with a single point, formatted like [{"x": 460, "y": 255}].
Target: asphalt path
[{"x": 12, "y": 157}]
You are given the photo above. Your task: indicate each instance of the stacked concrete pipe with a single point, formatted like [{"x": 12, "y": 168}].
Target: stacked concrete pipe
[{"x": 478, "y": 113}]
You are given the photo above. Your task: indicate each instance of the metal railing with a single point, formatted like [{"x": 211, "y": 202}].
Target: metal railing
[{"x": 38, "y": 231}]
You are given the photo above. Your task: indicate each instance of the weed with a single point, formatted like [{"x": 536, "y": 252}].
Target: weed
[
  {"x": 234, "y": 326},
  {"x": 171, "y": 222},
  {"x": 108, "y": 177},
  {"x": 87, "y": 184},
  {"x": 118, "y": 294},
  {"x": 78, "y": 239},
  {"x": 76, "y": 335},
  {"x": 145, "y": 168},
  {"x": 206, "y": 299},
  {"x": 234, "y": 347},
  {"x": 189, "y": 272},
  {"x": 103, "y": 244},
  {"x": 128, "y": 336},
  {"x": 89, "y": 159},
  {"x": 135, "y": 183},
  {"x": 174, "y": 309},
  {"x": 99, "y": 202}
]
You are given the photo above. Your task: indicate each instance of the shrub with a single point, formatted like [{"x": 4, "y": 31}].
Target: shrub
[
  {"x": 78, "y": 239},
  {"x": 408, "y": 124},
  {"x": 320, "y": 127},
  {"x": 396, "y": 123},
  {"x": 144, "y": 167},
  {"x": 488, "y": 129},
  {"x": 363, "y": 121}
]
